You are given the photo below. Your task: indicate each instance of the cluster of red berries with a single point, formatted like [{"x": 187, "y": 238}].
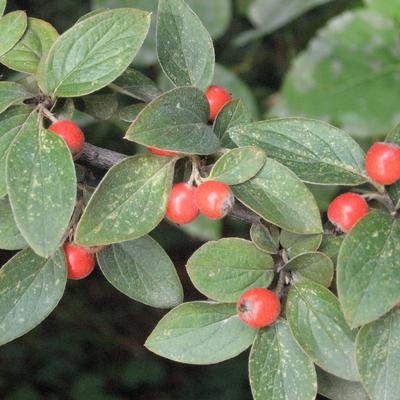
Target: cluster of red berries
[
  {"x": 213, "y": 199},
  {"x": 382, "y": 164}
]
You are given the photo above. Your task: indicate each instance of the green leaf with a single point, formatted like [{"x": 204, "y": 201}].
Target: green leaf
[
  {"x": 184, "y": 47},
  {"x": 12, "y": 93},
  {"x": 11, "y": 122},
  {"x": 265, "y": 238},
  {"x": 129, "y": 202},
  {"x": 101, "y": 105},
  {"x": 278, "y": 368},
  {"x": 224, "y": 77},
  {"x": 335, "y": 388},
  {"x": 269, "y": 15},
  {"x": 41, "y": 185},
  {"x": 215, "y": 15},
  {"x": 137, "y": 85},
  {"x": 129, "y": 113},
  {"x": 93, "y": 53},
  {"x": 278, "y": 195},
  {"x": 203, "y": 228},
  {"x": 232, "y": 114},
  {"x": 330, "y": 246},
  {"x": 30, "y": 288},
  {"x": 315, "y": 266},
  {"x": 177, "y": 121},
  {"x": 316, "y": 151},
  {"x": 391, "y": 8},
  {"x": 296, "y": 244},
  {"x": 201, "y": 333},
  {"x": 367, "y": 269},
  {"x": 355, "y": 50},
  {"x": 223, "y": 270},
  {"x": 142, "y": 270},
  {"x": 36, "y": 42},
  {"x": 10, "y": 238},
  {"x": 3, "y": 4},
  {"x": 238, "y": 165},
  {"x": 378, "y": 356},
  {"x": 12, "y": 27},
  {"x": 318, "y": 325}
]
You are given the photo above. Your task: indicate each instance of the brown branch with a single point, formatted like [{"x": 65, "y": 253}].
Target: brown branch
[
  {"x": 104, "y": 159},
  {"x": 100, "y": 158}
]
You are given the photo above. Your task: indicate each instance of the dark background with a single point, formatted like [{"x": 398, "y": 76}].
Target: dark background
[{"x": 91, "y": 347}]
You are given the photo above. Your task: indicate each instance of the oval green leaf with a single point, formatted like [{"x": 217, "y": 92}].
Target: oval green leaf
[
  {"x": 36, "y": 42},
  {"x": 41, "y": 185},
  {"x": 265, "y": 238},
  {"x": 335, "y": 388},
  {"x": 318, "y": 152},
  {"x": 142, "y": 270},
  {"x": 232, "y": 114},
  {"x": 201, "y": 333},
  {"x": 12, "y": 93},
  {"x": 278, "y": 368},
  {"x": 368, "y": 266},
  {"x": 12, "y": 27},
  {"x": 223, "y": 270},
  {"x": 11, "y": 122},
  {"x": 93, "y": 53},
  {"x": 330, "y": 246},
  {"x": 10, "y": 237},
  {"x": 296, "y": 244},
  {"x": 280, "y": 197},
  {"x": 177, "y": 121},
  {"x": 238, "y": 165},
  {"x": 129, "y": 202},
  {"x": 316, "y": 267},
  {"x": 31, "y": 288},
  {"x": 318, "y": 325},
  {"x": 184, "y": 63},
  {"x": 378, "y": 357}
]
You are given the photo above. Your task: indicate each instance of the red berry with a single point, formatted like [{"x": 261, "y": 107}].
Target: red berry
[
  {"x": 217, "y": 97},
  {"x": 258, "y": 307},
  {"x": 80, "y": 261},
  {"x": 162, "y": 152},
  {"x": 181, "y": 207},
  {"x": 214, "y": 199},
  {"x": 346, "y": 210},
  {"x": 383, "y": 163},
  {"x": 71, "y": 133}
]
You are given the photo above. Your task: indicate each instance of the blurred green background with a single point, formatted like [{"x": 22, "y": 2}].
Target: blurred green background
[{"x": 91, "y": 347}]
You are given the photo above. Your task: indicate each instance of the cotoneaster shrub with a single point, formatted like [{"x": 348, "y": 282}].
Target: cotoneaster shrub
[{"x": 315, "y": 297}]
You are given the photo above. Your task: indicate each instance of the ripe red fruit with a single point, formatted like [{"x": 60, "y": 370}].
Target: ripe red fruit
[
  {"x": 162, "y": 152},
  {"x": 346, "y": 210},
  {"x": 71, "y": 133},
  {"x": 217, "y": 97},
  {"x": 181, "y": 207},
  {"x": 258, "y": 307},
  {"x": 214, "y": 199},
  {"x": 80, "y": 261},
  {"x": 383, "y": 163}
]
